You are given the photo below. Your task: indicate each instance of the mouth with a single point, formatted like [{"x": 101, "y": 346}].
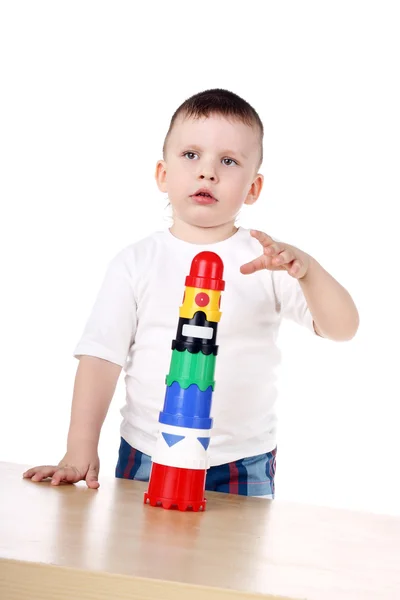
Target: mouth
[{"x": 204, "y": 196}]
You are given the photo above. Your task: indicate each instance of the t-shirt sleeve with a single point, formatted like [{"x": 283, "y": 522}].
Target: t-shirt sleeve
[
  {"x": 110, "y": 330},
  {"x": 290, "y": 300}
]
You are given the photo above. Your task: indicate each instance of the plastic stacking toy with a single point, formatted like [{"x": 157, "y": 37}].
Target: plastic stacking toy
[{"x": 180, "y": 459}]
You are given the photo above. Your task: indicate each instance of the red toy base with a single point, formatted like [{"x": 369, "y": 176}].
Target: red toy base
[
  {"x": 173, "y": 487},
  {"x": 170, "y": 504}
]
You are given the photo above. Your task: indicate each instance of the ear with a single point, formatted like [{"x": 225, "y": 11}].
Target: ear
[
  {"x": 255, "y": 189},
  {"x": 161, "y": 176}
]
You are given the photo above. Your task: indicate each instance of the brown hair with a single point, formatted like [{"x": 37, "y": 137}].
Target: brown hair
[{"x": 220, "y": 102}]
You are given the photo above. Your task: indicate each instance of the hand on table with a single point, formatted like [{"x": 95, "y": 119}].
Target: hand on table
[{"x": 72, "y": 468}]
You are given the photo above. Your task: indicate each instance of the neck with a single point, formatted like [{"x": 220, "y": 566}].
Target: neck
[{"x": 202, "y": 235}]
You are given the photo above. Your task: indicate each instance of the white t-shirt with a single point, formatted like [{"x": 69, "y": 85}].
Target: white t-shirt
[{"x": 135, "y": 318}]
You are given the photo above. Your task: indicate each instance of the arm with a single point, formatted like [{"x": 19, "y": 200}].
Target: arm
[
  {"x": 109, "y": 333},
  {"x": 95, "y": 384},
  {"x": 94, "y": 388},
  {"x": 333, "y": 310}
]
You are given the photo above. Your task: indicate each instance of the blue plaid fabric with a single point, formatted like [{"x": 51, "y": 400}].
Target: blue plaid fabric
[{"x": 253, "y": 476}]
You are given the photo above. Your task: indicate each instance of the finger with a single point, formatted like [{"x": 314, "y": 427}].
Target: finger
[
  {"x": 92, "y": 478},
  {"x": 40, "y": 473},
  {"x": 273, "y": 249},
  {"x": 264, "y": 239},
  {"x": 28, "y": 474},
  {"x": 284, "y": 257},
  {"x": 67, "y": 475},
  {"x": 296, "y": 268},
  {"x": 254, "y": 265}
]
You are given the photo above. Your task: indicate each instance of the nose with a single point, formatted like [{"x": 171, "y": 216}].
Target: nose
[{"x": 207, "y": 171}]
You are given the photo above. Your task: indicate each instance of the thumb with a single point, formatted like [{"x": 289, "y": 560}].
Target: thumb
[{"x": 92, "y": 477}]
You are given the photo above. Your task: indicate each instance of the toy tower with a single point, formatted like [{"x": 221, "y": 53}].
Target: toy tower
[{"x": 180, "y": 460}]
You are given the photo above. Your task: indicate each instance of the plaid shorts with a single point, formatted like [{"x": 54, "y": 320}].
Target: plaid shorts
[{"x": 253, "y": 476}]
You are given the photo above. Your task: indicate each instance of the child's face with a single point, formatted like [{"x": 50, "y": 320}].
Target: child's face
[{"x": 218, "y": 155}]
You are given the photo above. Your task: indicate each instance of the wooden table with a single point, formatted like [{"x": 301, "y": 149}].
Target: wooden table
[{"x": 72, "y": 543}]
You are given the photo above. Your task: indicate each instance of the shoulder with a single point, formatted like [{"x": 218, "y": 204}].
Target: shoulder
[
  {"x": 142, "y": 252},
  {"x": 145, "y": 244}
]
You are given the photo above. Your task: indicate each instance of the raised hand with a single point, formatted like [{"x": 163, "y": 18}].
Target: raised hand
[{"x": 277, "y": 256}]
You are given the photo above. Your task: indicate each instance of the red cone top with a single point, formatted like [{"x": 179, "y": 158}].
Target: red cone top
[{"x": 206, "y": 272}]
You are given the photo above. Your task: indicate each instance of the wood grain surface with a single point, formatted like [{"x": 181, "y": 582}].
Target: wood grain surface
[{"x": 71, "y": 542}]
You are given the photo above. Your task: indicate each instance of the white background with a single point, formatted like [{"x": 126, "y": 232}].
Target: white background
[{"x": 88, "y": 89}]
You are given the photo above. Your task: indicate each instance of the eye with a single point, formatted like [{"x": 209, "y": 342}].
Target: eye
[
  {"x": 229, "y": 162},
  {"x": 190, "y": 155}
]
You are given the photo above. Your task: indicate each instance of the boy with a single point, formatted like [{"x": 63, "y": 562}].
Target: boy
[{"x": 210, "y": 168}]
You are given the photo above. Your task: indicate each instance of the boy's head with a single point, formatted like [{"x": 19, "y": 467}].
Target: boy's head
[{"x": 214, "y": 143}]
